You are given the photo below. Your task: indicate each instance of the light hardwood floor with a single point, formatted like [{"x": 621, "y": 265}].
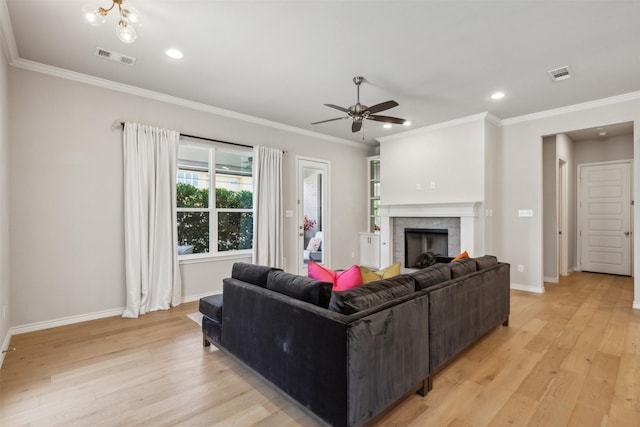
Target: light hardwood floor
[{"x": 570, "y": 356}]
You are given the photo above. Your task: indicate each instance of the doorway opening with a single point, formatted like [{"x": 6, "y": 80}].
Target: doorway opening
[
  {"x": 563, "y": 234},
  {"x": 313, "y": 212}
]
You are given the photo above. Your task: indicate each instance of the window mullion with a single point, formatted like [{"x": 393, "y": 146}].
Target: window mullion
[{"x": 213, "y": 214}]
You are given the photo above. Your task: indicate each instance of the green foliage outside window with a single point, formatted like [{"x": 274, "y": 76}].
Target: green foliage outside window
[{"x": 235, "y": 229}]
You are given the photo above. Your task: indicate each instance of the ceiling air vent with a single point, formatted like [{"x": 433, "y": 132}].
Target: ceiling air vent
[
  {"x": 562, "y": 73},
  {"x": 114, "y": 56}
]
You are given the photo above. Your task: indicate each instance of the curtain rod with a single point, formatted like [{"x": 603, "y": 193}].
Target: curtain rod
[{"x": 208, "y": 139}]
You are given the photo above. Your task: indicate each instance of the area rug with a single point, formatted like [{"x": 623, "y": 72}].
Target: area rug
[{"x": 196, "y": 317}]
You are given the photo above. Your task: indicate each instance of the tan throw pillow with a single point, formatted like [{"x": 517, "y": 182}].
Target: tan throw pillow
[{"x": 369, "y": 275}]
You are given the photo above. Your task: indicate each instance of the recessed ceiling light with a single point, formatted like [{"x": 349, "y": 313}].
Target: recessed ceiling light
[
  {"x": 407, "y": 123},
  {"x": 497, "y": 95},
  {"x": 387, "y": 126},
  {"x": 174, "y": 53}
]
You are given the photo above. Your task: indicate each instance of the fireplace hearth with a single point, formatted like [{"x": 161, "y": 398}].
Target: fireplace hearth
[{"x": 419, "y": 242}]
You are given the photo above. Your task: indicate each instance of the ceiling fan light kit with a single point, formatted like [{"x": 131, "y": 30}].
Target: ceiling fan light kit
[
  {"x": 129, "y": 18},
  {"x": 360, "y": 112}
]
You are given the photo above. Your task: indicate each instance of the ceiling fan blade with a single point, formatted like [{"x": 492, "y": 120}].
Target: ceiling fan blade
[
  {"x": 356, "y": 126},
  {"x": 346, "y": 110},
  {"x": 330, "y": 120},
  {"x": 382, "y": 106},
  {"x": 387, "y": 119}
]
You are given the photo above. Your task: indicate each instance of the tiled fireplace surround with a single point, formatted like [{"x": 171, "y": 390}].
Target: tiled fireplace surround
[{"x": 460, "y": 219}]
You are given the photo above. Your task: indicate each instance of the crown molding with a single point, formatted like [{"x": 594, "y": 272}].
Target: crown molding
[
  {"x": 157, "y": 96},
  {"x": 442, "y": 125},
  {"x": 631, "y": 96},
  {"x": 6, "y": 33}
]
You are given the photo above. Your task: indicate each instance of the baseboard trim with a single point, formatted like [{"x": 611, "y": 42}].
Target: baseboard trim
[
  {"x": 5, "y": 346},
  {"x": 38, "y": 326},
  {"x": 528, "y": 288},
  {"x": 191, "y": 298},
  {"x": 551, "y": 279},
  {"x": 636, "y": 305}
]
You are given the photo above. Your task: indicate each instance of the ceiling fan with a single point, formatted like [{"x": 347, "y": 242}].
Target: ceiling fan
[{"x": 360, "y": 112}]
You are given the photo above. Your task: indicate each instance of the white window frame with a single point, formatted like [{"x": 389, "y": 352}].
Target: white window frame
[{"x": 212, "y": 210}]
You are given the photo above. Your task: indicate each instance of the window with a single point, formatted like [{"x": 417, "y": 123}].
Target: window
[
  {"x": 188, "y": 178},
  {"x": 214, "y": 221}
]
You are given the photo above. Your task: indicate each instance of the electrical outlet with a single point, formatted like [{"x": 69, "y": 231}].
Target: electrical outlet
[
  {"x": 353, "y": 254},
  {"x": 520, "y": 268},
  {"x": 433, "y": 185},
  {"x": 4, "y": 312}
]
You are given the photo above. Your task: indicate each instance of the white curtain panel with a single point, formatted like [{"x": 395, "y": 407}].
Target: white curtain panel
[
  {"x": 150, "y": 233},
  {"x": 267, "y": 206}
]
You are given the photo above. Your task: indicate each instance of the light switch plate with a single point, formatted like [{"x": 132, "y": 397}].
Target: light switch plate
[{"x": 525, "y": 212}]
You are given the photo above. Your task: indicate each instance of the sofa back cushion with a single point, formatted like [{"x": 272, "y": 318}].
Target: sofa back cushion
[
  {"x": 300, "y": 287},
  {"x": 372, "y": 294},
  {"x": 251, "y": 273},
  {"x": 462, "y": 267},
  {"x": 486, "y": 262},
  {"x": 432, "y": 275}
]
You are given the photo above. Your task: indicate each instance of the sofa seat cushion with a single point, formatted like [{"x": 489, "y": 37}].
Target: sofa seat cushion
[
  {"x": 373, "y": 294},
  {"x": 462, "y": 267},
  {"x": 299, "y": 287},
  {"x": 211, "y": 307},
  {"x": 251, "y": 273},
  {"x": 432, "y": 275},
  {"x": 486, "y": 262}
]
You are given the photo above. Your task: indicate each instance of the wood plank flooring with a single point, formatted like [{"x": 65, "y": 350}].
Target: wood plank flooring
[{"x": 570, "y": 357}]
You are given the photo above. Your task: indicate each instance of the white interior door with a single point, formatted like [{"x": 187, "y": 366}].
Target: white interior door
[
  {"x": 313, "y": 212},
  {"x": 604, "y": 210}
]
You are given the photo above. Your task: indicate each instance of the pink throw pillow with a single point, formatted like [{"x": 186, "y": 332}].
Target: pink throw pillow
[{"x": 342, "y": 280}]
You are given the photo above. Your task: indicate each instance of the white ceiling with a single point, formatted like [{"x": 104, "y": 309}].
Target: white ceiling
[{"x": 282, "y": 60}]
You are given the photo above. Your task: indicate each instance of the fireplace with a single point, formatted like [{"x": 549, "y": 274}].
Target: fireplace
[
  {"x": 419, "y": 241},
  {"x": 462, "y": 220}
]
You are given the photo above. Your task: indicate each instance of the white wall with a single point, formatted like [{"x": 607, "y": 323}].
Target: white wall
[
  {"x": 607, "y": 150},
  {"x": 450, "y": 156},
  {"x": 492, "y": 135},
  {"x": 521, "y": 146},
  {"x": 5, "y": 246},
  {"x": 66, "y": 198}
]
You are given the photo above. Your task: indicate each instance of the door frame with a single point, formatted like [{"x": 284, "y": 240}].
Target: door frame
[
  {"x": 562, "y": 217},
  {"x": 302, "y": 161},
  {"x": 631, "y": 207}
]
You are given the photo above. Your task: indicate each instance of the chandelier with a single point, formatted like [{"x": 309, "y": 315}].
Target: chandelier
[{"x": 129, "y": 17}]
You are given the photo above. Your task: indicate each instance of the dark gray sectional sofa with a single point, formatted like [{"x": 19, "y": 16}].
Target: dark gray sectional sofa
[{"x": 347, "y": 356}]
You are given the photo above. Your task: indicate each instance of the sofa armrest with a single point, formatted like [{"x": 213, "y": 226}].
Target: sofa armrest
[
  {"x": 464, "y": 309},
  {"x": 388, "y": 355}
]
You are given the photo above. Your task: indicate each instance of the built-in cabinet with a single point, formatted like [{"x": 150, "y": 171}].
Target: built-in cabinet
[
  {"x": 370, "y": 241},
  {"x": 373, "y": 193},
  {"x": 370, "y": 250}
]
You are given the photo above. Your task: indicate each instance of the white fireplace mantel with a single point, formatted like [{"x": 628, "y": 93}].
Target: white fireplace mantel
[{"x": 468, "y": 212}]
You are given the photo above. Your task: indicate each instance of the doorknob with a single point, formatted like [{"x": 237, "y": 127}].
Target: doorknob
[{"x": 626, "y": 233}]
